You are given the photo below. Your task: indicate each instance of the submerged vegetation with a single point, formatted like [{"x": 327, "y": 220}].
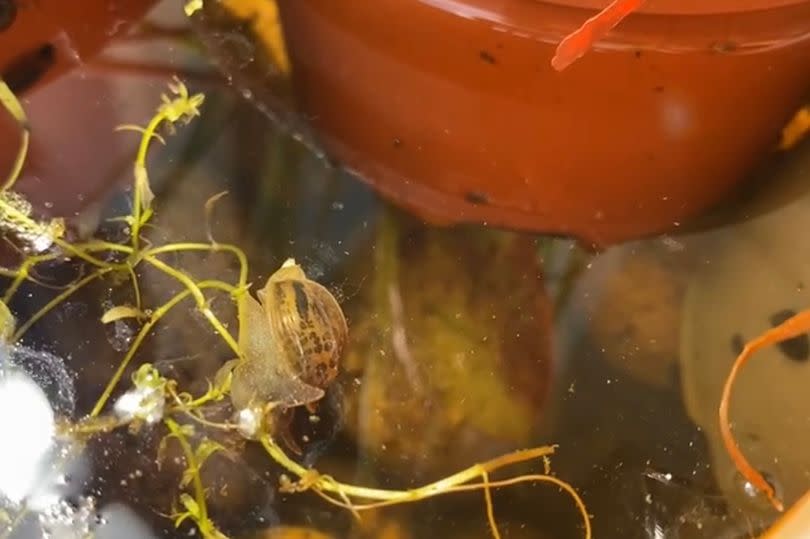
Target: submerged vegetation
[{"x": 265, "y": 380}]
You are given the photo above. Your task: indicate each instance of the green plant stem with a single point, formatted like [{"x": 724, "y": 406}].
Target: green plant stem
[
  {"x": 324, "y": 482},
  {"x": 23, "y": 272},
  {"x": 199, "y": 297},
  {"x": 199, "y": 491},
  {"x": 140, "y": 171},
  {"x": 157, "y": 314},
  {"x": 241, "y": 287},
  {"x": 14, "y": 107},
  {"x": 57, "y": 300}
]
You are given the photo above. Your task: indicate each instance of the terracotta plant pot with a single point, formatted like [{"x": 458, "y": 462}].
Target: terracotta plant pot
[
  {"x": 48, "y": 50},
  {"x": 451, "y": 108},
  {"x": 39, "y": 40}
]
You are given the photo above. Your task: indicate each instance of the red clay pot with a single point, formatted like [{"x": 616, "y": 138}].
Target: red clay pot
[
  {"x": 451, "y": 109},
  {"x": 45, "y": 46},
  {"x": 40, "y": 40}
]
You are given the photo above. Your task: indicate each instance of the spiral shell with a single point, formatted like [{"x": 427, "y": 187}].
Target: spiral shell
[
  {"x": 307, "y": 324},
  {"x": 291, "y": 341}
]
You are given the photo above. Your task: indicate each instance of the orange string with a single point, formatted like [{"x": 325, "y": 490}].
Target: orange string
[
  {"x": 789, "y": 329},
  {"x": 578, "y": 42}
]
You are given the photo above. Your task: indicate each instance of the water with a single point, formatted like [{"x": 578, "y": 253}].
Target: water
[{"x": 465, "y": 344}]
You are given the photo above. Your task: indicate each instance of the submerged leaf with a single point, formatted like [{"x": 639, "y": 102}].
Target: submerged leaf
[
  {"x": 182, "y": 107},
  {"x": 12, "y": 104},
  {"x": 192, "y": 6},
  {"x": 188, "y": 477},
  {"x": 180, "y": 518},
  {"x": 206, "y": 449},
  {"x": 143, "y": 188},
  {"x": 190, "y": 504},
  {"x": 209, "y": 209},
  {"x": 120, "y": 312},
  {"x": 7, "y": 323}
]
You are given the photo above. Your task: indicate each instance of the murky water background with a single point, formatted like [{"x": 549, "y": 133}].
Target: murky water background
[{"x": 465, "y": 343}]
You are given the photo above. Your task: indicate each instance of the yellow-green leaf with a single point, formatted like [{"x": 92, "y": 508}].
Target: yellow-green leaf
[
  {"x": 190, "y": 504},
  {"x": 188, "y": 476},
  {"x": 143, "y": 187},
  {"x": 12, "y": 104},
  {"x": 14, "y": 107},
  {"x": 206, "y": 449},
  {"x": 182, "y": 517},
  {"x": 120, "y": 312},
  {"x": 192, "y": 6},
  {"x": 7, "y": 323}
]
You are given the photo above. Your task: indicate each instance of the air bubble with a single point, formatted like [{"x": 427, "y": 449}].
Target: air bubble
[
  {"x": 753, "y": 493},
  {"x": 49, "y": 372},
  {"x": 750, "y": 490},
  {"x": 64, "y": 519},
  {"x": 120, "y": 332},
  {"x": 146, "y": 401},
  {"x": 248, "y": 422},
  {"x": 25, "y": 416}
]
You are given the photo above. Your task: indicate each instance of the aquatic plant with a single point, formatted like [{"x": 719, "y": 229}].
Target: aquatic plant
[{"x": 154, "y": 398}]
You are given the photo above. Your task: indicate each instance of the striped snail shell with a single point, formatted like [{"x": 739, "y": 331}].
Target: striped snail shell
[{"x": 292, "y": 340}]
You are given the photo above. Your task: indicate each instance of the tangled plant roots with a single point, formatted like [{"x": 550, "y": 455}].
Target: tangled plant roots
[{"x": 156, "y": 399}]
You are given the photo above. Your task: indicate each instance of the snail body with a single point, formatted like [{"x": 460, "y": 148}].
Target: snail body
[{"x": 291, "y": 342}]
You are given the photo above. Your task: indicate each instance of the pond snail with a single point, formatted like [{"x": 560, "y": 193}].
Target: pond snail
[{"x": 291, "y": 342}]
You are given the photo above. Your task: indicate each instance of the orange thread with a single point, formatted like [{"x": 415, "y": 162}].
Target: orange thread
[
  {"x": 792, "y": 327},
  {"x": 578, "y": 42}
]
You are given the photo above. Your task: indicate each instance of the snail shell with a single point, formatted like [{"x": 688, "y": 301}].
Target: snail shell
[{"x": 291, "y": 342}]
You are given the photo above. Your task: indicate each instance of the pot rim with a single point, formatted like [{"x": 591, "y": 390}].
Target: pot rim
[
  {"x": 686, "y": 7},
  {"x": 781, "y": 23}
]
